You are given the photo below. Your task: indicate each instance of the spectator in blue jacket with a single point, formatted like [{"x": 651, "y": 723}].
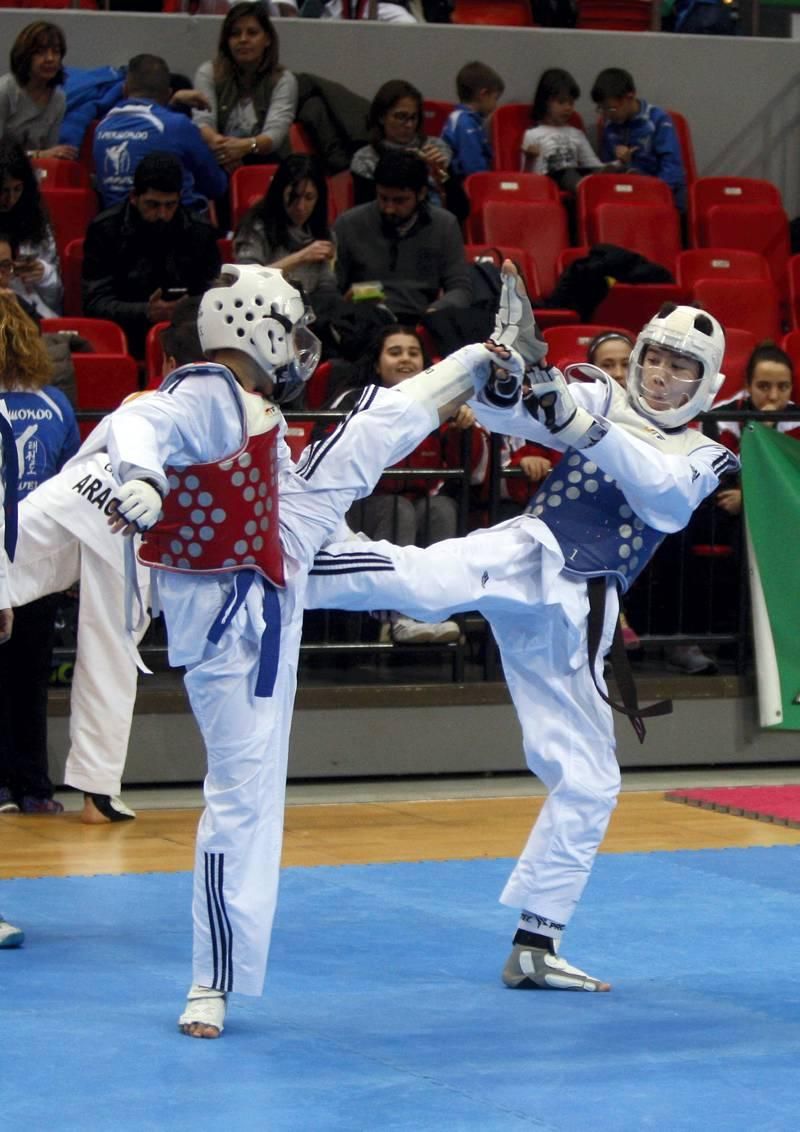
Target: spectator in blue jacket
[
  {"x": 479, "y": 88},
  {"x": 640, "y": 136},
  {"x": 46, "y": 436},
  {"x": 140, "y": 123}
]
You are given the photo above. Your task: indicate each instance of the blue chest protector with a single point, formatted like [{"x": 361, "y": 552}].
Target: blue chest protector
[{"x": 597, "y": 531}]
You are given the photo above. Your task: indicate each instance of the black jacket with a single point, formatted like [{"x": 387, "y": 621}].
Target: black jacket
[{"x": 127, "y": 259}]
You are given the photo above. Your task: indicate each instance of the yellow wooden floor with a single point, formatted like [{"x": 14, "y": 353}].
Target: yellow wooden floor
[{"x": 357, "y": 833}]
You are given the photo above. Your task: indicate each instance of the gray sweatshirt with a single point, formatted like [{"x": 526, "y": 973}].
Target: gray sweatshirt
[{"x": 414, "y": 267}]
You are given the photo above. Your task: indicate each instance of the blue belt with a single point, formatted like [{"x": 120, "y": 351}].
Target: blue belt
[{"x": 270, "y": 638}]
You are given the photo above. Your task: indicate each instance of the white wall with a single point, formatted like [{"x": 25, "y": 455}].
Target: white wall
[{"x": 741, "y": 96}]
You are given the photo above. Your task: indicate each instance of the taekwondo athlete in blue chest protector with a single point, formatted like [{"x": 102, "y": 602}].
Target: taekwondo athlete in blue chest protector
[
  {"x": 232, "y": 526},
  {"x": 632, "y": 473}
]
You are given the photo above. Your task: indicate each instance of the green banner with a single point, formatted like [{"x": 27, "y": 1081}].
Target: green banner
[{"x": 771, "y": 490}]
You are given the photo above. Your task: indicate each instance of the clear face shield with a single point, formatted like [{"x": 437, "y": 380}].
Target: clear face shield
[
  {"x": 664, "y": 379},
  {"x": 288, "y": 380},
  {"x": 307, "y": 349}
]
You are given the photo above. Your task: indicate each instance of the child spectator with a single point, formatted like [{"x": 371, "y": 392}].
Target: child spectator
[
  {"x": 640, "y": 136},
  {"x": 552, "y": 146},
  {"x": 479, "y": 87}
]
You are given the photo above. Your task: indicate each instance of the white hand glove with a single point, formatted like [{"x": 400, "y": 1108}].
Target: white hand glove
[
  {"x": 139, "y": 503},
  {"x": 552, "y": 404},
  {"x": 515, "y": 325}
]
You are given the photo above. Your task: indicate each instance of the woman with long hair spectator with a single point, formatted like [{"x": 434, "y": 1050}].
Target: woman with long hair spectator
[
  {"x": 252, "y": 98},
  {"x": 288, "y": 229},
  {"x": 46, "y": 435},
  {"x": 32, "y": 102},
  {"x": 395, "y": 122},
  {"x": 24, "y": 219}
]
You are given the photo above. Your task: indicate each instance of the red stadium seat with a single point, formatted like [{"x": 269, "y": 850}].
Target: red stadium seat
[
  {"x": 71, "y": 212},
  {"x": 615, "y": 15},
  {"x": 300, "y": 140},
  {"x": 507, "y": 125},
  {"x": 538, "y": 227},
  {"x": 154, "y": 355},
  {"x": 793, "y": 275},
  {"x": 434, "y": 116},
  {"x": 298, "y": 436},
  {"x": 719, "y": 263},
  {"x": 734, "y": 192},
  {"x": 758, "y": 228},
  {"x": 568, "y": 256},
  {"x": 652, "y": 230},
  {"x": 611, "y": 188},
  {"x": 791, "y": 344},
  {"x": 508, "y": 187},
  {"x": 71, "y": 263},
  {"x": 249, "y": 183},
  {"x": 631, "y": 305},
  {"x": 497, "y": 254},
  {"x": 684, "y": 134},
  {"x": 739, "y": 345},
  {"x": 56, "y": 173},
  {"x": 225, "y": 247},
  {"x": 317, "y": 386},
  {"x": 497, "y": 13},
  {"x": 754, "y": 307},
  {"x": 341, "y": 195},
  {"x": 105, "y": 336},
  {"x": 103, "y": 382},
  {"x": 572, "y": 341}
]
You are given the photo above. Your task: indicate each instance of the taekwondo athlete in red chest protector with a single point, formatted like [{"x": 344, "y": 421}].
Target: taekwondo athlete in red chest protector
[
  {"x": 232, "y": 527},
  {"x": 631, "y": 473}
]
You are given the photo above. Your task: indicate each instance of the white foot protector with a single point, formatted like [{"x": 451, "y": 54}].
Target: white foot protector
[{"x": 205, "y": 1007}]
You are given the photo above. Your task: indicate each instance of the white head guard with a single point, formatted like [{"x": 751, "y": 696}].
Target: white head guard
[
  {"x": 694, "y": 334},
  {"x": 265, "y": 317}
]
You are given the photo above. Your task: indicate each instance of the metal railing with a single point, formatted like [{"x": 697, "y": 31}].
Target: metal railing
[{"x": 694, "y": 590}]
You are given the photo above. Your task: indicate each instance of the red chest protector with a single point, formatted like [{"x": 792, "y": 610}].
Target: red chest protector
[{"x": 222, "y": 516}]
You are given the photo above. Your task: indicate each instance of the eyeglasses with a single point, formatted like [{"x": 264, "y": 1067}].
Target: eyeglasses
[
  {"x": 403, "y": 117},
  {"x": 7, "y": 266}
]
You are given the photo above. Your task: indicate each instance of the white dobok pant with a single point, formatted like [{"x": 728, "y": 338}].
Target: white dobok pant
[
  {"x": 512, "y": 574},
  {"x": 48, "y": 560},
  {"x": 239, "y": 839}
]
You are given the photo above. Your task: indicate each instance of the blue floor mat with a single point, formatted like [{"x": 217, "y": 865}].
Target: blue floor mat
[{"x": 384, "y": 1008}]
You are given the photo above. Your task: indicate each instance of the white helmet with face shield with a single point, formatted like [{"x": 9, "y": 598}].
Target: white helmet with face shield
[
  {"x": 265, "y": 317},
  {"x": 664, "y": 385}
]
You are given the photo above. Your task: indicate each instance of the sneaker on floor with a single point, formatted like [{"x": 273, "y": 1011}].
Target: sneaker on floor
[
  {"x": 205, "y": 1007},
  {"x": 99, "y": 809},
  {"x": 30, "y": 805},
  {"x": 407, "y": 631},
  {"x": 533, "y": 968},
  {"x": 690, "y": 659},
  {"x": 9, "y": 935},
  {"x": 7, "y": 803}
]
